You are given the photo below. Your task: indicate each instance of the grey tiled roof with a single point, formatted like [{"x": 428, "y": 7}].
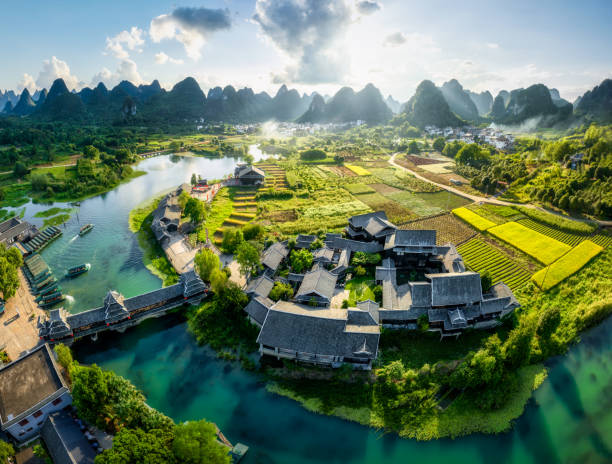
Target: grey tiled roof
[
  {"x": 320, "y": 282},
  {"x": 274, "y": 254},
  {"x": 316, "y": 335},
  {"x": 251, "y": 171},
  {"x": 361, "y": 220},
  {"x": 304, "y": 241},
  {"x": 420, "y": 292},
  {"x": 323, "y": 254},
  {"x": 455, "y": 288},
  {"x": 258, "y": 308},
  {"x": 261, "y": 286},
  {"x": 65, "y": 440},
  {"x": 414, "y": 238},
  {"x": 355, "y": 245}
]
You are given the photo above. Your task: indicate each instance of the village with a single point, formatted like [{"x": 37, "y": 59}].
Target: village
[{"x": 489, "y": 135}]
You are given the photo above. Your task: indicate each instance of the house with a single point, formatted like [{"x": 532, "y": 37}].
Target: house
[
  {"x": 249, "y": 175},
  {"x": 31, "y": 388},
  {"x": 257, "y": 309},
  {"x": 167, "y": 215},
  {"x": 65, "y": 441},
  {"x": 15, "y": 229},
  {"x": 317, "y": 288},
  {"x": 304, "y": 241},
  {"x": 321, "y": 336},
  {"x": 370, "y": 227},
  {"x": 323, "y": 255},
  {"x": 260, "y": 286},
  {"x": 274, "y": 255}
]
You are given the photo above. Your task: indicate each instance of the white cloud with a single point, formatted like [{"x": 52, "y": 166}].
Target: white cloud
[
  {"x": 190, "y": 26},
  {"x": 163, "y": 58},
  {"x": 127, "y": 71},
  {"x": 395, "y": 39},
  {"x": 55, "y": 69},
  {"x": 493, "y": 45},
  {"x": 132, "y": 40},
  {"x": 307, "y": 32},
  {"x": 27, "y": 82}
]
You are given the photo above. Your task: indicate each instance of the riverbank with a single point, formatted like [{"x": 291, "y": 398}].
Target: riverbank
[{"x": 154, "y": 258}]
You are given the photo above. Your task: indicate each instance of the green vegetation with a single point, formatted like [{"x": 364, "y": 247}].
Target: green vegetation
[
  {"x": 568, "y": 264},
  {"x": 569, "y": 238},
  {"x": 301, "y": 260},
  {"x": 539, "y": 246},
  {"x": 10, "y": 262},
  {"x": 143, "y": 434},
  {"x": 6, "y": 451},
  {"x": 473, "y": 219},
  {"x": 557, "y": 222},
  {"x": 205, "y": 262},
  {"x": 52, "y": 212},
  {"x": 481, "y": 257},
  {"x": 360, "y": 289},
  {"x": 313, "y": 154},
  {"x": 357, "y": 189},
  {"x": 281, "y": 291},
  {"x": 154, "y": 258}
]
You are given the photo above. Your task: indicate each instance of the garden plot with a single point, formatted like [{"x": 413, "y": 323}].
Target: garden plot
[
  {"x": 394, "y": 211},
  {"x": 567, "y": 265},
  {"x": 359, "y": 189},
  {"x": 360, "y": 171},
  {"x": 448, "y": 228},
  {"x": 473, "y": 219},
  {"x": 480, "y": 257},
  {"x": 385, "y": 189},
  {"x": 539, "y": 246},
  {"x": 438, "y": 168},
  {"x": 415, "y": 204}
]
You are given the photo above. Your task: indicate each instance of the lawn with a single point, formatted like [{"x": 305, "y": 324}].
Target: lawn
[
  {"x": 358, "y": 170},
  {"x": 539, "y": 246},
  {"x": 567, "y": 265},
  {"x": 360, "y": 289},
  {"x": 473, "y": 219}
]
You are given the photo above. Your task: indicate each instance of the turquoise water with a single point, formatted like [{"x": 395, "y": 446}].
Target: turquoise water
[{"x": 568, "y": 420}]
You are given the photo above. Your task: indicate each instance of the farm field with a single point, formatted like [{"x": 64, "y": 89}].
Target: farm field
[
  {"x": 402, "y": 180},
  {"x": 438, "y": 168},
  {"x": 448, "y": 228},
  {"x": 571, "y": 239},
  {"x": 473, "y": 219},
  {"x": 480, "y": 257},
  {"x": 415, "y": 204},
  {"x": 567, "y": 265},
  {"x": 604, "y": 240},
  {"x": 358, "y": 189},
  {"x": 539, "y": 246},
  {"x": 394, "y": 210},
  {"x": 360, "y": 171}
]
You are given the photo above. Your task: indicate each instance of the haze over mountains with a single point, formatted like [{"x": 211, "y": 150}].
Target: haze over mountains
[{"x": 447, "y": 105}]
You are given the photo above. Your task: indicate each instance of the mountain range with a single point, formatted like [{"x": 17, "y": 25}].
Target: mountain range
[{"x": 447, "y": 105}]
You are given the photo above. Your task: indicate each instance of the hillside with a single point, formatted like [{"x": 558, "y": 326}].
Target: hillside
[
  {"x": 596, "y": 104},
  {"x": 459, "y": 101},
  {"x": 429, "y": 107}
]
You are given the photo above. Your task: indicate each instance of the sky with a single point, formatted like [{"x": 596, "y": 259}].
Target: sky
[{"x": 310, "y": 45}]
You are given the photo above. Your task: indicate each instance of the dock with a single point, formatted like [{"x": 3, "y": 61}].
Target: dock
[
  {"x": 40, "y": 240},
  {"x": 43, "y": 284}
]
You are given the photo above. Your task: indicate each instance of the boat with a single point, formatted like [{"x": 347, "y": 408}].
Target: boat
[
  {"x": 78, "y": 270},
  {"x": 86, "y": 228},
  {"x": 51, "y": 301}
]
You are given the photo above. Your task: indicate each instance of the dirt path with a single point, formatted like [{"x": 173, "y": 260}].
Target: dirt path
[
  {"x": 18, "y": 330},
  {"x": 494, "y": 201}
]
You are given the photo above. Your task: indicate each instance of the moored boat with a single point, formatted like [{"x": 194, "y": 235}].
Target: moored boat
[
  {"x": 86, "y": 228},
  {"x": 78, "y": 270}
]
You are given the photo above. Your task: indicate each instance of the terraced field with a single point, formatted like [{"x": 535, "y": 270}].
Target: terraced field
[
  {"x": 244, "y": 209},
  {"x": 448, "y": 228},
  {"x": 480, "y": 257},
  {"x": 275, "y": 175},
  {"x": 565, "y": 237}
]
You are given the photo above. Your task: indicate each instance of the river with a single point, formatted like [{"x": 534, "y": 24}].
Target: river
[{"x": 568, "y": 419}]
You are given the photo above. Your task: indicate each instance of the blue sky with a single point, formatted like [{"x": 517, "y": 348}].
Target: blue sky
[{"x": 309, "y": 44}]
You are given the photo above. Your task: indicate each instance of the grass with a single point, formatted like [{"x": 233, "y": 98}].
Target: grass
[
  {"x": 358, "y": 170},
  {"x": 473, "y": 219},
  {"x": 154, "y": 258},
  {"x": 221, "y": 208},
  {"x": 358, "y": 189},
  {"x": 480, "y": 257},
  {"x": 539, "y": 246},
  {"x": 360, "y": 289},
  {"x": 567, "y": 265}
]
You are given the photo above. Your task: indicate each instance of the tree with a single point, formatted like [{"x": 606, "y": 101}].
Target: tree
[
  {"x": 135, "y": 445},
  {"x": 247, "y": 257},
  {"x": 438, "y": 144},
  {"x": 413, "y": 147},
  {"x": 195, "y": 442},
  {"x": 253, "y": 231},
  {"x": 183, "y": 199},
  {"x": 485, "y": 281},
  {"x": 123, "y": 155},
  {"x": 175, "y": 145},
  {"x": 472, "y": 155},
  {"x": 281, "y": 291},
  {"x": 20, "y": 169},
  {"x": 301, "y": 260},
  {"x": 64, "y": 356},
  {"x": 218, "y": 280},
  {"x": 90, "y": 393},
  {"x": 361, "y": 258},
  {"x": 91, "y": 152},
  {"x": 313, "y": 154},
  {"x": 206, "y": 262},
  {"x": 6, "y": 451},
  {"x": 232, "y": 238},
  {"x": 10, "y": 261},
  {"x": 194, "y": 179},
  {"x": 195, "y": 210},
  {"x": 39, "y": 181}
]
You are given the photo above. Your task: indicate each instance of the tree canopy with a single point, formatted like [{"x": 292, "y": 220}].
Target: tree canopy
[
  {"x": 195, "y": 442},
  {"x": 206, "y": 262}
]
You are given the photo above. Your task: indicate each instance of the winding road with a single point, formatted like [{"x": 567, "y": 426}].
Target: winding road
[{"x": 494, "y": 201}]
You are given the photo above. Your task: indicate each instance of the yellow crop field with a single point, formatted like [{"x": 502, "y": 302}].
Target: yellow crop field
[
  {"x": 541, "y": 247},
  {"x": 358, "y": 170},
  {"x": 568, "y": 264},
  {"x": 473, "y": 219}
]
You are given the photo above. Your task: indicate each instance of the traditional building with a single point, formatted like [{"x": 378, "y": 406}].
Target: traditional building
[
  {"x": 317, "y": 288},
  {"x": 14, "y": 229},
  {"x": 31, "y": 388},
  {"x": 274, "y": 255},
  {"x": 167, "y": 215},
  {"x": 65, "y": 441},
  {"x": 370, "y": 226},
  {"x": 249, "y": 175}
]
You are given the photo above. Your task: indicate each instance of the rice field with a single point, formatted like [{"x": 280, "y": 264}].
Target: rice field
[
  {"x": 567, "y": 265},
  {"x": 539, "y": 246},
  {"x": 473, "y": 219},
  {"x": 480, "y": 256},
  {"x": 565, "y": 237},
  {"x": 360, "y": 171}
]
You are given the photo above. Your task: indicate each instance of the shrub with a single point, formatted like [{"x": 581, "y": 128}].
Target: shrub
[
  {"x": 301, "y": 260},
  {"x": 313, "y": 154},
  {"x": 360, "y": 271},
  {"x": 281, "y": 291}
]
